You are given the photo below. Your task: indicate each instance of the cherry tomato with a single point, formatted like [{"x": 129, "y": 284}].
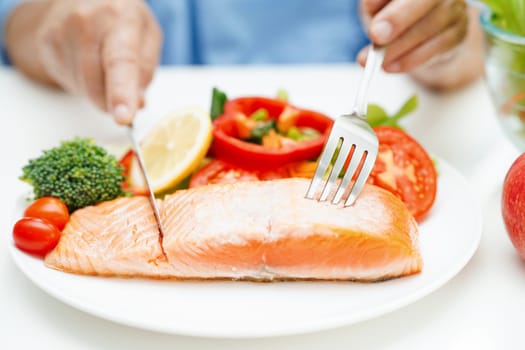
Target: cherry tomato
[
  {"x": 36, "y": 236},
  {"x": 51, "y": 209},
  {"x": 218, "y": 171},
  {"x": 404, "y": 168}
]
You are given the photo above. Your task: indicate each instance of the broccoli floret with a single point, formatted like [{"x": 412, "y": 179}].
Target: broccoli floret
[{"x": 78, "y": 172}]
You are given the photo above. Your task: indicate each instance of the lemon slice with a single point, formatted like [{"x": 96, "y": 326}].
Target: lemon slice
[{"x": 173, "y": 149}]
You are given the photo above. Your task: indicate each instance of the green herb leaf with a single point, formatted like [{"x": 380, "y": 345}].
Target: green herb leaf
[
  {"x": 302, "y": 134},
  {"x": 261, "y": 130},
  {"x": 407, "y": 108},
  {"x": 293, "y": 133},
  {"x": 309, "y": 133},
  {"x": 376, "y": 115},
  {"x": 218, "y": 99},
  {"x": 260, "y": 115},
  {"x": 282, "y": 94}
]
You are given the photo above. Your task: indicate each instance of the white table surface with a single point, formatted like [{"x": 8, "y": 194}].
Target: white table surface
[{"x": 481, "y": 308}]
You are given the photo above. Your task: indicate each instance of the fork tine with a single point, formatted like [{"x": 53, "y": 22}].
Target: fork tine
[
  {"x": 346, "y": 146},
  {"x": 349, "y": 174},
  {"x": 368, "y": 164},
  {"x": 322, "y": 165},
  {"x": 362, "y": 135}
]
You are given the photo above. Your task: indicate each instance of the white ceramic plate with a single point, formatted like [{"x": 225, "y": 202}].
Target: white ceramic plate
[{"x": 245, "y": 309}]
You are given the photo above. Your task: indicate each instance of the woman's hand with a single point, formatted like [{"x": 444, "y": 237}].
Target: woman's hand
[
  {"x": 414, "y": 30},
  {"x": 106, "y": 50}
]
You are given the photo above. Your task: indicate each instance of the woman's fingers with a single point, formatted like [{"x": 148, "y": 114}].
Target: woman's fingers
[
  {"x": 106, "y": 50},
  {"x": 56, "y": 56},
  {"x": 415, "y": 31},
  {"x": 396, "y": 17},
  {"x": 90, "y": 77},
  {"x": 446, "y": 15},
  {"x": 121, "y": 65},
  {"x": 371, "y": 7},
  {"x": 361, "y": 56},
  {"x": 439, "y": 44},
  {"x": 149, "y": 54},
  {"x": 87, "y": 68},
  {"x": 150, "y": 49}
]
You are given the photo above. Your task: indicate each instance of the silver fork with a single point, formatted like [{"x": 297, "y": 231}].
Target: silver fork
[{"x": 351, "y": 135}]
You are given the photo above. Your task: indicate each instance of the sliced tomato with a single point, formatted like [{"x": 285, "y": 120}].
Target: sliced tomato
[
  {"x": 229, "y": 146},
  {"x": 219, "y": 171},
  {"x": 125, "y": 162},
  {"x": 404, "y": 168}
]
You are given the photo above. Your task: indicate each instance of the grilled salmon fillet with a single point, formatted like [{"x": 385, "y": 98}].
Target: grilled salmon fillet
[
  {"x": 118, "y": 237},
  {"x": 247, "y": 230}
]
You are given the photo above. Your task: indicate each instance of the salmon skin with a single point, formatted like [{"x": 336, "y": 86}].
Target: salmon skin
[{"x": 248, "y": 230}]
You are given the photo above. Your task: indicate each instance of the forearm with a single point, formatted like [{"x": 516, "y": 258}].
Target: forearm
[
  {"x": 21, "y": 40},
  {"x": 461, "y": 66}
]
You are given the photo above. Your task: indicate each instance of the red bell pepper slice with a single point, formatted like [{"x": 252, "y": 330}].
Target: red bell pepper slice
[{"x": 228, "y": 146}]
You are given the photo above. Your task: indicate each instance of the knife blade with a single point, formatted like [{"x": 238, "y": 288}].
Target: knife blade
[{"x": 142, "y": 166}]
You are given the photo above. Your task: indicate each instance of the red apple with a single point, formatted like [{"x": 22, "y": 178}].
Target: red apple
[{"x": 513, "y": 204}]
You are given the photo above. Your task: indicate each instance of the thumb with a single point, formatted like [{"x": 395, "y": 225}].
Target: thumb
[{"x": 122, "y": 73}]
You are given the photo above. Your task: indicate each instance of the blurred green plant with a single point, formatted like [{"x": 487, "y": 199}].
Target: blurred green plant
[
  {"x": 508, "y": 15},
  {"x": 508, "y": 56}
]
